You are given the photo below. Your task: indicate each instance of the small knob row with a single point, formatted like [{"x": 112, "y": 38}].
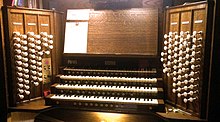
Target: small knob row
[
  {"x": 47, "y": 42},
  {"x": 21, "y": 64}
]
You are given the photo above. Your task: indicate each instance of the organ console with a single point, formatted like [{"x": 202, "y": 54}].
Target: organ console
[
  {"x": 111, "y": 60},
  {"x": 114, "y": 83},
  {"x": 182, "y": 74}
]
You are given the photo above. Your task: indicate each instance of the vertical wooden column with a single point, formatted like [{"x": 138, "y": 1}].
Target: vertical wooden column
[
  {"x": 57, "y": 52},
  {"x": 173, "y": 26}
]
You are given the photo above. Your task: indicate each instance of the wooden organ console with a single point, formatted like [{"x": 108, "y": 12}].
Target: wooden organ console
[
  {"x": 185, "y": 62},
  {"x": 112, "y": 60},
  {"x": 110, "y": 82}
]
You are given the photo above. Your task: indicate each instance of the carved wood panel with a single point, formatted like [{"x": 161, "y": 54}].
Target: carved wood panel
[{"x": 124, "y": 31}]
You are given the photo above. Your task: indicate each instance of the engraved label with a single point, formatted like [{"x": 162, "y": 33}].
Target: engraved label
[
  {"x": 174, "y": 23},
  {"x": 198, "y": 21},
  {"x": 44, "y": 24},
  {"x": 17, "y": 23},
  {"x": 185, "y": 22},
  {"x": 71, "y": 61},
  {"x": 110, "y": 63},
  {"x": 31, "y": 24}
]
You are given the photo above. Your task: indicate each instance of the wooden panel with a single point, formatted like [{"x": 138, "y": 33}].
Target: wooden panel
[
  {"x": 17, "y": 22},
  {"x": 185, "y": 25},
  {"x": 181, "y": 2},
  {"x": 44, "y": 23},
  {"x": 171, "y": 97},
  {"x": 174, "y": 22},
  {"x": 58, "y": 42},
  {"x": 185, "y": 21},
  {"x": 123, "y": 32},
  {"x": 199, "y": 24},
  {"x": 188, "y": 7},
  {"x": 199, "y": 20},
  {"x": 31, "y": 23},
  {"x": 36, "y": 91},
  {"x": 192, "y": 18},
  {"x": 173, "y": 25}
]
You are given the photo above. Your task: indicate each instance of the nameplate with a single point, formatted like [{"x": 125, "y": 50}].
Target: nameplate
[
  {"x": 174, "y": 23},
  {"x": 31, "y": 24},
  {"x": 112, "y": 63},
  {"x": 71, "y": 61},
  {"x": 185, "y": 22},
  {"x": 198, "y": 21},
  {"x": 17, "y": 23},
  {"x": 44, "y": 25}
]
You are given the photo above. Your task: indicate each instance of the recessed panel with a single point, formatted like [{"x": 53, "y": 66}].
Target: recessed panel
[
  {"x": 44, "y": 23},
  {"x": 174, "y": 22},
  {"x": 31, "y": 23},
  {"x": 185, "y": 24},
  {"x": 199, "y": 20},
  {"x": 17, "y": 22}
]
